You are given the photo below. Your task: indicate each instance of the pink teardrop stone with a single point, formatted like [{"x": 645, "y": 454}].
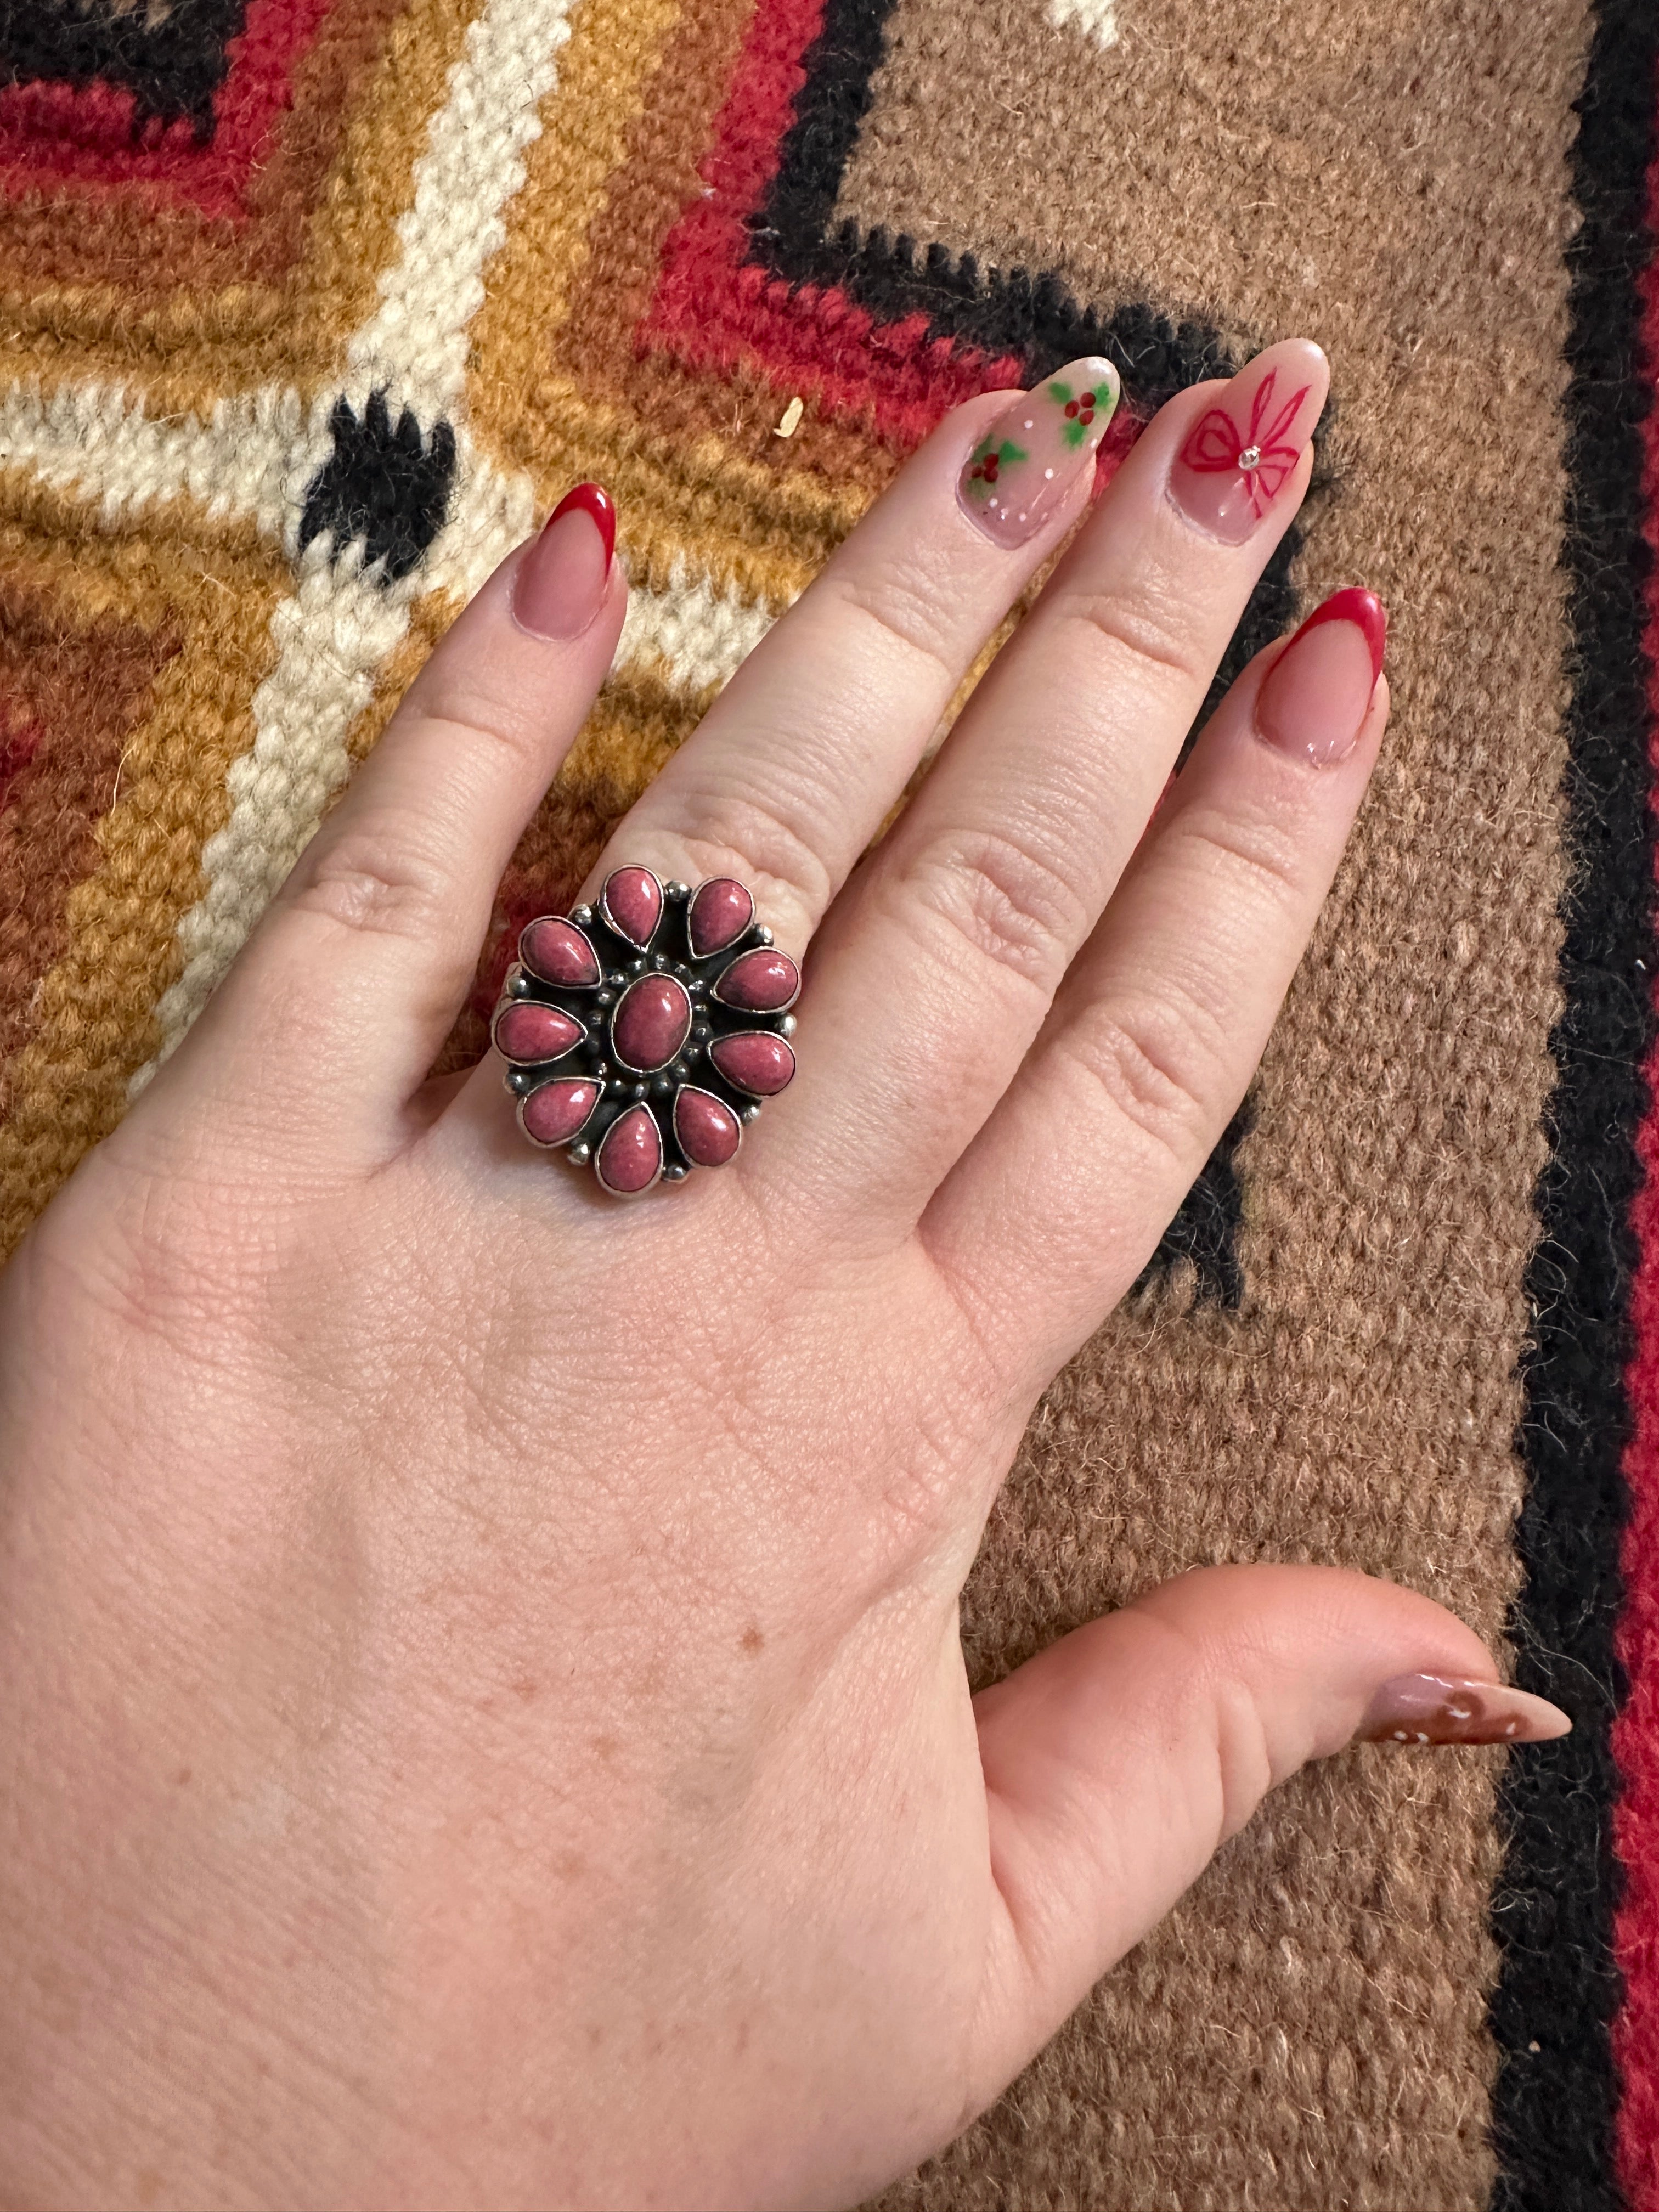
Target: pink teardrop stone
[
  {"x": 705, "y": 1127},
  {"x": 527, "y": 1032},
  {"x": 753, "y": 1060},
  {"x": 762, "y": 982},
  {"x": 556, "y": 950},
  {"x": 632, "y": 900},
  {"x": 721, "y": 912},
  {"x": 651, "y": 1022},
  {"x": 553, "y": 1114},
  {"x": 630, "y": 1158}
]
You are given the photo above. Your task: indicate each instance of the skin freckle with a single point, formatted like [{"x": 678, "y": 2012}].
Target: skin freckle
[{"x": 751, "y": 1641}]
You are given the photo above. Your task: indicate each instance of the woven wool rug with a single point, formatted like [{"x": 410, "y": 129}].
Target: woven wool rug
[{"x": 312, "y": 308}]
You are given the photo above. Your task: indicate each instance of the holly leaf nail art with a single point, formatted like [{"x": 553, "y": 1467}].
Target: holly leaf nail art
[
  {"x": 1078, "y": 408},
  {"x": 987, "y": 463}
]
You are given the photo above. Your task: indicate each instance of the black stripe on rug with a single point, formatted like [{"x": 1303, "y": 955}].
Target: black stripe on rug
[
  {"x": 1558, "y": 1989},
  {"x": 173, "y": 62}
]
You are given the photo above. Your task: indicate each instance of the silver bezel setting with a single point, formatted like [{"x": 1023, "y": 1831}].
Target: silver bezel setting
[
  {"x": 622, "y": 962},
  {"x": 556, "y": 1144}
]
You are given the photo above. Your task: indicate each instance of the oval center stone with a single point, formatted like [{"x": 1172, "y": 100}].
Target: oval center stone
[{"x": 651, "y": 1022}]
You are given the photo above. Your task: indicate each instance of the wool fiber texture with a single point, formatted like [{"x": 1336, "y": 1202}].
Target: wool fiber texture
[{"x": 314, "y": 308}]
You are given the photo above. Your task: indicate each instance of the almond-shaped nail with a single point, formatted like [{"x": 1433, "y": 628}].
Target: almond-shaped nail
[
  {"x": 1243, "y": 450},
  {"x": 1444, "y": 1708},
  {"x": 560, "y": 586},
  {"x": 1314, "y": 698},
  {"x": 1023, "y": 468}
]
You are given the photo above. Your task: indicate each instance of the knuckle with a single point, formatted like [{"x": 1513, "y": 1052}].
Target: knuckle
[
  {"x": 1142, "y": 634},
  {"x": 767, "y": 844},
  {"x": 998, "y": 896},
  {"x": 1205, "y": 1704},
  {"x": 902, "y": 612},
  {"x": 371, "y": 881},
  {"x": 174, "y": 1259},
  {"x": 1148, "y": 1061},
  {"x": 1235, "y": 844},
  {"x": 477, "y": 716}
]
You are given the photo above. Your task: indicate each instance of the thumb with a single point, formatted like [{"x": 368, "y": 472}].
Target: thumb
[{"x": 1118, "y": 1760}]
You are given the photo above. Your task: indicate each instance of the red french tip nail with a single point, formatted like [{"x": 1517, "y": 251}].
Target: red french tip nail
[
  {"x": 596, "y": 501},
  {"x": 1361, "y": 608}
]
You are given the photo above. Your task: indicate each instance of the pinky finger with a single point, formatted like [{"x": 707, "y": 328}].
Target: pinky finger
[{"x": 1057, "y": 1205}]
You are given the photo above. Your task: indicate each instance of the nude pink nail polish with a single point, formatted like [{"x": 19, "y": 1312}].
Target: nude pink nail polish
[
  {"x": 1446, "y": 1709},
  {"x": 1315, "y": 699},
  {"x": 561, "y": 583},
  {"x": 1021, "y": 470},
  {"x": 1243, "y": 451}
]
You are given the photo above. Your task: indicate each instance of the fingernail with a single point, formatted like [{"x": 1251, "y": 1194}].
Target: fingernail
[
  {"x": 560, "y": 586},
  {"x": 1027, "y": 462},
  {"x": 1317, "y": 694},
  {"x": 1241, "y": 453},
  {"x": 1444, "y": 1708}
]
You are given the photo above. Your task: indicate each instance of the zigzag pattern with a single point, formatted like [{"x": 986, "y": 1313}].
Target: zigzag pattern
[{"x": 315, "y": 306}]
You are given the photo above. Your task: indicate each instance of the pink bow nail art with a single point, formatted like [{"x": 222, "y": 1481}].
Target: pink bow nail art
[{"x": 1240, "y": 454}]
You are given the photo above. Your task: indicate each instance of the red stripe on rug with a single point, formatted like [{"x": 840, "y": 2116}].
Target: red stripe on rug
[
  {"x": 1636, "y": 1730},
  {"x": 82, "y": 136},
  {"x": 716, "y": 311}
]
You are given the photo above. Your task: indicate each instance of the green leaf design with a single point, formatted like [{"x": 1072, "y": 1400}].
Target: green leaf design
[
  {"x": 1063, "y": 394},
  {"x": 1074, "y": 432},
  {"x": 1007, "y": 453}
]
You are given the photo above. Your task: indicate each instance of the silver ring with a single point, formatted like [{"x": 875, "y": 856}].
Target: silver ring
[{"x": 642, "y": 1033}]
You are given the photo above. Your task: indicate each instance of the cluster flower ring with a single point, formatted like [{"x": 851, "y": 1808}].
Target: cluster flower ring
[{"x": 641, "y": 1033}]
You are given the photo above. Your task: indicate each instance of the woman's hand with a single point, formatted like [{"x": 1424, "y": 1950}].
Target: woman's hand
[{"x": 484, "y": 1721}]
